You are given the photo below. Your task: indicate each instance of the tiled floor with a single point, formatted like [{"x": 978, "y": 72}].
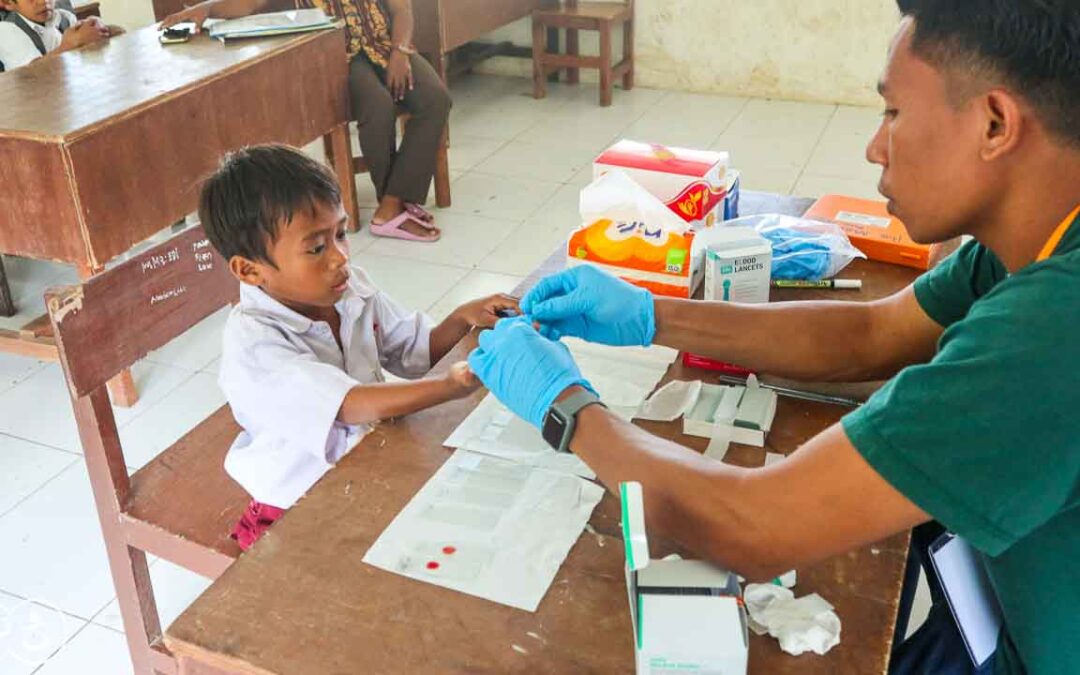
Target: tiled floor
[{"x": 517, "y": 167}]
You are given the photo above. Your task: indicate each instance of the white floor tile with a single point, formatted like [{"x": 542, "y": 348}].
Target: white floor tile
[
  {"x": 687, "y": 120},
  {"x": 857, "y": 120},
  {"x": 494, "y": 122},
  {"x": 815, "y": 186},
  {"x": 174, "y": 589},
  {"x": 166, "y": 422},
  {"x": 28, "y": 280},
  {"x": 30, "y": 633},
  {"x": 785, "y": 118},
  {"x": 93, "y": 651},
  {"x": 552, "y": 161},
  {"x": 500, "y": 197},
  {"x": 529, "y": 245},
  {"x": 15, "y": 369},
  {"x": 466, "y": 152},
  {"x": 475, "y": 285},
  {"x": 466, "y": 240},
  {"x": 779, "y": 180},
  {"x": 413, "y": 284},
  {"x": 778, "y": 152},
  {"x": 53, "y": 548},
  {"x": 196, "y": 348},
  {"x": 25, "y": 467},
  {"x": 39, "y": 409}
]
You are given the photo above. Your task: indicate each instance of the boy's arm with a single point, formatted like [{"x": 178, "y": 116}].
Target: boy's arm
[
  {"x": 483, "y": 313},
  {"x": 367, "y": 403}
]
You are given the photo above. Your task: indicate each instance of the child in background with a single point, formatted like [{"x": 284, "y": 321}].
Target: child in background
[
  {"x": 31, "y": 29},
  {"x": 305, "y": 348}
]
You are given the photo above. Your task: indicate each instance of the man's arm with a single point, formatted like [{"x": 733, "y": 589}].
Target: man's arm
[
  {"x": 826, "y": 341},
  {"x": 821, "y": 501}
]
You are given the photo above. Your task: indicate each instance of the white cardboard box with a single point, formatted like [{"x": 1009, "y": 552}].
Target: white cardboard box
[
  {"x": 755, "y": 409},
  {"x": 687, "y": 614},
  {"x": 738, "y": 264}
]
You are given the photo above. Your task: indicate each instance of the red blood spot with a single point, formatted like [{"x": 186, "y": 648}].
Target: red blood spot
[
  {"x": 433, "y": 565},
  {"x": 449, "y": 550}
]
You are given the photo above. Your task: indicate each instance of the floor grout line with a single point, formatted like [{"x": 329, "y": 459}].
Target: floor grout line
[
  {"x": 36, "y": 490},
  {"x": 813, "y": 150}
]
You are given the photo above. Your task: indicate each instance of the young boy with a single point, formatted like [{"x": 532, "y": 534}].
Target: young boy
[
  {"x": 31, "y": 29},
  {"x": 304, "y": 350}
]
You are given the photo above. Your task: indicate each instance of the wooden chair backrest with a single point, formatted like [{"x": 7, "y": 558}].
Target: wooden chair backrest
[{"x": 115, "y": 318}]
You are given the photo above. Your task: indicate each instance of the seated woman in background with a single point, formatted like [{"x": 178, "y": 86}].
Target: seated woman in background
[{"x": 384, "y": 72}]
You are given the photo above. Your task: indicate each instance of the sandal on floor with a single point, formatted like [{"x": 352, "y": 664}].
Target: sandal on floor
[
  {"x": 394, "y": 228},
  {"x": 420, "y": 212}
]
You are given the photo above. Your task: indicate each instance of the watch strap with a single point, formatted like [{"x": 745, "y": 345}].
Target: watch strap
[{"x": 568, "y": 409}]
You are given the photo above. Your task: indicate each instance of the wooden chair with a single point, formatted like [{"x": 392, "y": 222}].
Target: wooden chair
[
  {"x": 181, "y": 506},
  {"x": 442, "y": 165},
  {"x": 574, "y": 16}
]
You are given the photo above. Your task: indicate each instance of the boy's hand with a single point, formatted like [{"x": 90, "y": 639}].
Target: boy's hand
[
  {"x": 82, "y": 33},
  {"x": 484, "y": 313},
  {"x": 462, "y": 378},
  {"x": 197, "y": 14}
]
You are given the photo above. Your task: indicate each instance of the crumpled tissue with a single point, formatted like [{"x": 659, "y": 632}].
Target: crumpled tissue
[{"x": 801, "y": 624}]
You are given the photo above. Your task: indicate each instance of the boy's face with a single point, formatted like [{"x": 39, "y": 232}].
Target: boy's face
[
  {"x": 311, "y": 255},
  {"x": 39, "y": 11}
]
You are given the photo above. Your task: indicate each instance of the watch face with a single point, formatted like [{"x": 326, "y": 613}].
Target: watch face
[{"x": 554, "y": 429}]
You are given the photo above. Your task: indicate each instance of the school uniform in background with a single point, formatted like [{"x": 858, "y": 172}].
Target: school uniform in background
[{"x": 22, "y": 40}]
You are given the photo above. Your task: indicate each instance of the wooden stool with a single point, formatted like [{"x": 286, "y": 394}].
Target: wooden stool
[
  {"x": 442, "y": 166},
  {"x": 575, "y": 16}
]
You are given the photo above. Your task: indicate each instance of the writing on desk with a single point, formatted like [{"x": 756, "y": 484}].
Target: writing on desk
[
  {"x": 167, "y": 295},
  {"x": 157, "y": 261},
  {"x": 201, "y": 244}
]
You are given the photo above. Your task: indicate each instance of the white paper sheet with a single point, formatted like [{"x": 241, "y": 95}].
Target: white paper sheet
[{"x": 488, "y": 527}]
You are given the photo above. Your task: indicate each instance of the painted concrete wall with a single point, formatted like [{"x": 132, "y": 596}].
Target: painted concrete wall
[{"x": 819, "y": 50}]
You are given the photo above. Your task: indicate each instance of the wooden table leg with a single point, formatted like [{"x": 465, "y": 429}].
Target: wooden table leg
[
  {"x": 7, "y": 303},
  {"x": 122, "y": 387},
  {"x": 338, "y": 148}
]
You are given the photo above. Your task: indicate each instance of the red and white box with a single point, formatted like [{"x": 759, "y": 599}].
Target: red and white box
[{"x": 694, "y": 184}]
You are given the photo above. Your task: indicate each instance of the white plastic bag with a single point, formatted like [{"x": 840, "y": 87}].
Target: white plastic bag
[{"x": 803, "y": 249}]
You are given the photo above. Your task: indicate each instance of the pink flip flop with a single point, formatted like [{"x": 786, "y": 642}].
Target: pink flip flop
[
  {"x": 420, "y": 212},
  {"x": 394, "y": 229}
]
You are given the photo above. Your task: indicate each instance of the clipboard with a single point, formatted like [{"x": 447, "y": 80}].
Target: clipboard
[{"x": 971, "y": 597}]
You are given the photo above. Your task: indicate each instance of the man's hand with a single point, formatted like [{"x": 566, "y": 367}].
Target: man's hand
[
  {"x": 82, "y": 33},
  {"x": 196, "y": 14},
  {"x": 590, "y": 304},
  {"x": 399, "y": 77},
  {"x": 484, "y": 313},
  {"x": 524, "y": 370}
]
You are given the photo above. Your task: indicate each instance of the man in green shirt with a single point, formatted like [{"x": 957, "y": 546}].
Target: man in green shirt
[{"x": 978, "y": 428}]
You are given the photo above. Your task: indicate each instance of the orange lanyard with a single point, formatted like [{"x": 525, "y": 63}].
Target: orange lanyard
[{"x": 1055, "y": 238}]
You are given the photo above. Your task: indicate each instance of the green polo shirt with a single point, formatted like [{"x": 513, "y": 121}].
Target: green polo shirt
[{"x": 986, "y": 438}]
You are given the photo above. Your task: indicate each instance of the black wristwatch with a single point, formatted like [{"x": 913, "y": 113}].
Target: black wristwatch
[{"x": 561, "y": 419}]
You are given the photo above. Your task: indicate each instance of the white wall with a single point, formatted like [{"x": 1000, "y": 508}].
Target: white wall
[{"x": 819, "y": 50}]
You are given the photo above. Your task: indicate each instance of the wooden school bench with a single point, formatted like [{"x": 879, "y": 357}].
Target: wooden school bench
[
  {"x": 107, "y": 145},
  {"x": 181, "y": 506},
  {"x": 301, "y": 602}
]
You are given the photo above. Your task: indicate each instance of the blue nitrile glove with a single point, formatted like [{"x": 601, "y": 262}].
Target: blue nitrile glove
[
  {"x": 525, "y": 370},
  {"x": 588, "y": 303},
  {"x": 798, "y": 255}
]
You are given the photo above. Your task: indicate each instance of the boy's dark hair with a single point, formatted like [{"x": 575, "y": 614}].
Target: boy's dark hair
[
  {"x": 1030, "y": 46},
  {"x": 255, "y": 191}
]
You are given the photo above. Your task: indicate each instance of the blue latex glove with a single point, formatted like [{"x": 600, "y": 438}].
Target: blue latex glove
[
  {"x": 799, "y": 255},
  {"x": 525, "y": 370},
  {"x": 588, "y": 303}
]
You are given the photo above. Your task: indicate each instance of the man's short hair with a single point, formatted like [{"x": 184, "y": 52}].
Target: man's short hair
[
  {"x": 1031, "y": 47},
  {"x": 255, "y": 191}
]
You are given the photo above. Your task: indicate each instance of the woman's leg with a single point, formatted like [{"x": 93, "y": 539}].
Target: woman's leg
[
  {"x": 428, "y": 104},
  {"x": 376, "y": 117}
]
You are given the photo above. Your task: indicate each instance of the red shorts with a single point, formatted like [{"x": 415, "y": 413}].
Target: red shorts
[{"x": 256, "y": 520}]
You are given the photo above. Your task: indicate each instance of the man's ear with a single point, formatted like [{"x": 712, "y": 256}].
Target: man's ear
[
  {"x": 1004, "y": 119},
  {"x": 247, "y": 271}
]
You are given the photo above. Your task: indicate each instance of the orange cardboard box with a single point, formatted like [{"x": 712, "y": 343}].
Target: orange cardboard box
[{"x": 872, "y": 230}]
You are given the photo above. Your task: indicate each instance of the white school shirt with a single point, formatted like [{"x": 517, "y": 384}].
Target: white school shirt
[
  {"x": 286, "y": 378},
  {"x": 17, "y": 49}
]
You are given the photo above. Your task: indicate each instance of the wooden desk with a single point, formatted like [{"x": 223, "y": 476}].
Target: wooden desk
[
  {"x": 106, "y": 145},
  {"x": 302, "y": 602},
  {"x": 444, "y": 25}
]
